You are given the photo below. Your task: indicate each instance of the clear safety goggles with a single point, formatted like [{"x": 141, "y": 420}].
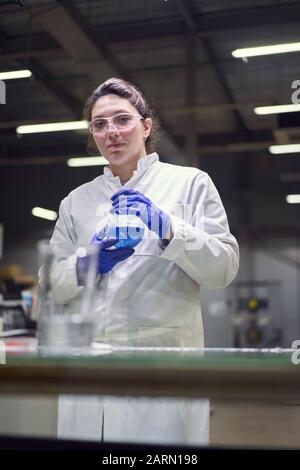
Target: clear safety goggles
[{"x": 120, "y": 122}]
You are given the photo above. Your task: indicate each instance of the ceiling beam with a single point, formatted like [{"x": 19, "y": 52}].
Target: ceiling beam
[
  {"x": 40, "y": 53},
  {"x": 41, "y": 45},
  {"x": 220, "y": 75},
  {"x": 206, "y": 24},
  {"x": 43, "y": 75},
  {"x": 185, "y": 8}
]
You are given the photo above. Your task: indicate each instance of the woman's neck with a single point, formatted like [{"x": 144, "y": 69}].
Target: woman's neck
[{"x": 125, "y": 172}]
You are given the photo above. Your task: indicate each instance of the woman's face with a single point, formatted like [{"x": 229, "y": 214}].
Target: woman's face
[{"x": 120, "y": 147}]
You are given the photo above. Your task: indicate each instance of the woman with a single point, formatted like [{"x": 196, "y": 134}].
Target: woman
[{"x": 149, "y": 295}]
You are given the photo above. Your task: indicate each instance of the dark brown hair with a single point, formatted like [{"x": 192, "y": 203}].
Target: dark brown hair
[{"x": 123, "y": 89}]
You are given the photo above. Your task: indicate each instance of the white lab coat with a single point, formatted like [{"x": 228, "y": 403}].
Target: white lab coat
[{"x": 150, "y": 299}]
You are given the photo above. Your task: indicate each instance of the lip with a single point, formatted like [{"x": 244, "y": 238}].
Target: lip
[{"x": 116, "y": 146}]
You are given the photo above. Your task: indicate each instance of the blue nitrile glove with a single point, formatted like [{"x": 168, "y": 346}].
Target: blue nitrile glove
[
  {"x": 134, "y": 202},
  {"x": 109, "y": 255}
]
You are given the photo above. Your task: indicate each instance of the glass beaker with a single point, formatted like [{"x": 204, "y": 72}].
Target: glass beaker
[{"x": 66, "y": 329}]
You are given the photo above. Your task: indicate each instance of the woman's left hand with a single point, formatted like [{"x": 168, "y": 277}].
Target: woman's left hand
[{"x": 128, "y": 201}]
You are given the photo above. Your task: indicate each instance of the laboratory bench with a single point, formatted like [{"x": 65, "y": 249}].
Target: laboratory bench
[{"x": 254, "y": 394}]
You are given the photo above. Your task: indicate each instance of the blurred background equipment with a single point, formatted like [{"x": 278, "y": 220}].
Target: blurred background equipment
[
  {"x": 1, "y": 240},
  {"x": 16, "y": 302},
  {"x": 257, "y": 320}
]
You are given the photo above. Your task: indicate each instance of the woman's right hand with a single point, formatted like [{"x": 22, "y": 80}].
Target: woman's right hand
[{"x": 109, "y": 255}]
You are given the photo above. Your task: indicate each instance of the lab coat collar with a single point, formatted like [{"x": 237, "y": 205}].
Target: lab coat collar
[{"x": 143, "y": 164}]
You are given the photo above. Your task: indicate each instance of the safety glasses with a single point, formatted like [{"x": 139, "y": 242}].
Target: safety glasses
[{"x": 120, "y": 122}]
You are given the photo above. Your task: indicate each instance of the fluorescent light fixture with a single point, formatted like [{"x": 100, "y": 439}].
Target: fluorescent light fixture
[
  {"x": 44, "y": 213},
  {"x": 281, "y": 108},
  {"x": 87, "y": 161},
  {"x": 293, "y": 198},
  {"x": 266, "y": 50},
  {"x": 15, "y": 74},
  {"x": 289, "y": 148},
  {"x": 52, "y": 127}
]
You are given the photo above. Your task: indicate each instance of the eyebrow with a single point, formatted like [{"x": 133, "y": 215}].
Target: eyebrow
[{"x": 116, "y": 112}]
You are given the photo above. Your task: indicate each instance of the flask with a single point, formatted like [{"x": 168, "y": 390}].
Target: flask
[
  {"x": 65, "y": 329},
  {"x": 127, "y": 228}
]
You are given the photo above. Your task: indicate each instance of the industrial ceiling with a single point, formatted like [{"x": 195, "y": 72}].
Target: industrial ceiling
[{"x": 180, "y": 54}]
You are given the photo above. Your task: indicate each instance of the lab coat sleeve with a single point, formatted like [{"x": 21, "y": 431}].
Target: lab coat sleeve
[
  {"x": 63, "y": 275},
  {"x": 202, "y": 245}
]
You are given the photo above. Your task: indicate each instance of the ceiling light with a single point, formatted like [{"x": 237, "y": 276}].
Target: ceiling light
[
  {"x": 266, "y": 50},
  {"x": 87, "y": 161},
  {"x": 15, "y": 74},
  {"x": 289, "y": 148},
  {"x": 44, "y": 213},
  {"x": 281, "y": 108},
  {"x": 293, "y": 198},
  {"x": 52, "y": 127}
]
